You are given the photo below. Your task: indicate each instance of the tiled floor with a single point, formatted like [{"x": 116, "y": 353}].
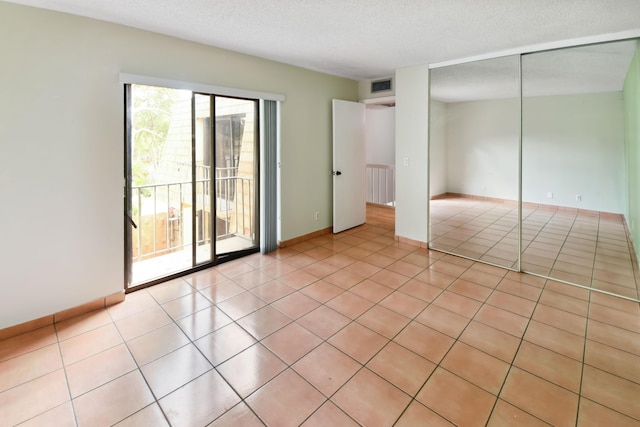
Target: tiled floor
[
  {"x": 588, "y": 248},
  {"x": 336, "y": 331}
]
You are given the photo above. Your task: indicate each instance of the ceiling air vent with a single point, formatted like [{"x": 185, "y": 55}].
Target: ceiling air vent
[{"x": 381, "y": 85}]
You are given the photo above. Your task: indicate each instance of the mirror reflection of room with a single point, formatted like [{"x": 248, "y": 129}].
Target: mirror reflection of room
[
  {"x": 474, "y": 143},
  {"x": 579, "y": 118}
]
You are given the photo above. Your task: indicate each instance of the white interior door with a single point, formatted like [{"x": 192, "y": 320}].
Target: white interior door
[{"x": 349, "y": 169}]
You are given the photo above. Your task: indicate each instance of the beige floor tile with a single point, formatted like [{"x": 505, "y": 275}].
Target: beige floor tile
[
  {"x": 420, "y": 290},
  {"x": 322, "y": 291},
  {"x": 512, "y": 303},
  {"x": 555, "y": 339},
  {"x": 203, "y": 322},
  {"x": 234, "y": 268},
  {"x": 199, "y": 402},
  {"x": 540, "y": 398},
  {"x": 477, "y": 367},
  {"x": 239, "y": 415},
  {"x": 564, "y": 302},
  {"x": 157, "y": 343},
  {"x": 263, "y": 322},
  {"x": 549, "y": 365},
  {"x": 492, "y": 341},
  {"x": 370, "y": 400},
  {"x": 252, "y": 279},
  {"x": 175, "y": 369},
  {"x": 285, "y": 401},
  {"x": 502, "y": 320},
  {"x": 113, "y": 402},
  {"x": 459, "y": 304},
  {"x": 135, "y": 302},
  {"x": 326, "y": 368},
  {"x": 455, "y": 399},
  {"x": 592, "y": 414},
  {"x": 519, "y": 289},
  {"x": 249, "y": 370},
  {"x": 291, "y": 342},
  {"x": 401, "y": 367},
  {"x": 296, "y": 305},
  {"x": 140, "y": 323},
  {"x": 615, "y": 317},
  {"x": 240, "y": 305},
  {"x": 28, "y": 366},
  {"x": 383, "y": 321},
  {"x": 89, "y": 343},
  {"x": 186, "y": 305},
  {"x": 371, "y": 290},
  {"x": 324, "y": 322},
  {"x": 403, "y": 304},
  {"x": 26, "y": 342},
  {"x": 443, "y": 320},
  {"x": 612, "y": 360},
  {"x": 222, "y": 291},
  {"x": 224, "y": 343},
  {"x": 329, "y": 415},
  {"x": 170, "y": 290},
  {"x": 560, "y": 319},
  {"x": 81, "y": 324},
  {"x": 424, "y": 341},
  {"x": 32, "y": 398},
  {"x": 272, "y": 291},
  {"x": 205, "y": 278},
  {"x": 99, "y": 369},
  {"x": 418, "y": 414},
  {"x": 358, "y": 342},
  {"x": 60, "y": 416},
  {"x": 298, "y": 279},
  {"x": 507, "y": 415},
  {"x": 149, "y": 416},
  {"x": 611, "y": 391}
]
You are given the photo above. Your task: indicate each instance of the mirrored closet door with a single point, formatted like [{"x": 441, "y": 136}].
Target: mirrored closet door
[
  {"x": 575, "y": 173},
  {"x": 534, "y": 160},
  {"x": 473, "y": 160}
]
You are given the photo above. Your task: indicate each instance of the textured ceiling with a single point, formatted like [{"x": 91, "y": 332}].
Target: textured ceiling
[
  {"x": 363, "y": 39},
  {"x": 584, "y": 69}
]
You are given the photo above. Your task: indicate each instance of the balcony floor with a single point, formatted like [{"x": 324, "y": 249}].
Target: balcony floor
[{"x": 164, "y": 265}]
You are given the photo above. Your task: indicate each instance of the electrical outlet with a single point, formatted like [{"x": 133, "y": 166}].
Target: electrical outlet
[
  {"x": 317, "y": 216},
  {"x": 550, "y": 195},
  {"x": 578, "y": 197}
]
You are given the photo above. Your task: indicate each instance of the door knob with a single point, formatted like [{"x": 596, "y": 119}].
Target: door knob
[{"x": 337, "y": 173}]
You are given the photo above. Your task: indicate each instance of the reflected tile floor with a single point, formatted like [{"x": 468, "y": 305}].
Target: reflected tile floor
[
  {"x": 588, "y": 248},
  {"x": 340, "y": 330}
]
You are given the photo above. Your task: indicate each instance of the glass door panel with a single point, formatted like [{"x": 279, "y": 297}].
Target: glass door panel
[
  {"x": 236, "y": 174},
  {"x": 159, "y": 179},
  {"x": 473, "y": 160}
]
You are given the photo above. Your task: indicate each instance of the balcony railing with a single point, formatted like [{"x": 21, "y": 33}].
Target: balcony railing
[
  {"x": 381, "y": 184},
  {"x": 164, "y": 212}
]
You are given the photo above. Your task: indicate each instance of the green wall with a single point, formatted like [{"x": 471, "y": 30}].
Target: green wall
[
  {"x": 62, "y": 147},
  {"x": 631, "y": 98}
]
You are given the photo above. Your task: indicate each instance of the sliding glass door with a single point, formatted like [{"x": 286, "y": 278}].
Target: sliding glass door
[{"x": 192, "y": 170}]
